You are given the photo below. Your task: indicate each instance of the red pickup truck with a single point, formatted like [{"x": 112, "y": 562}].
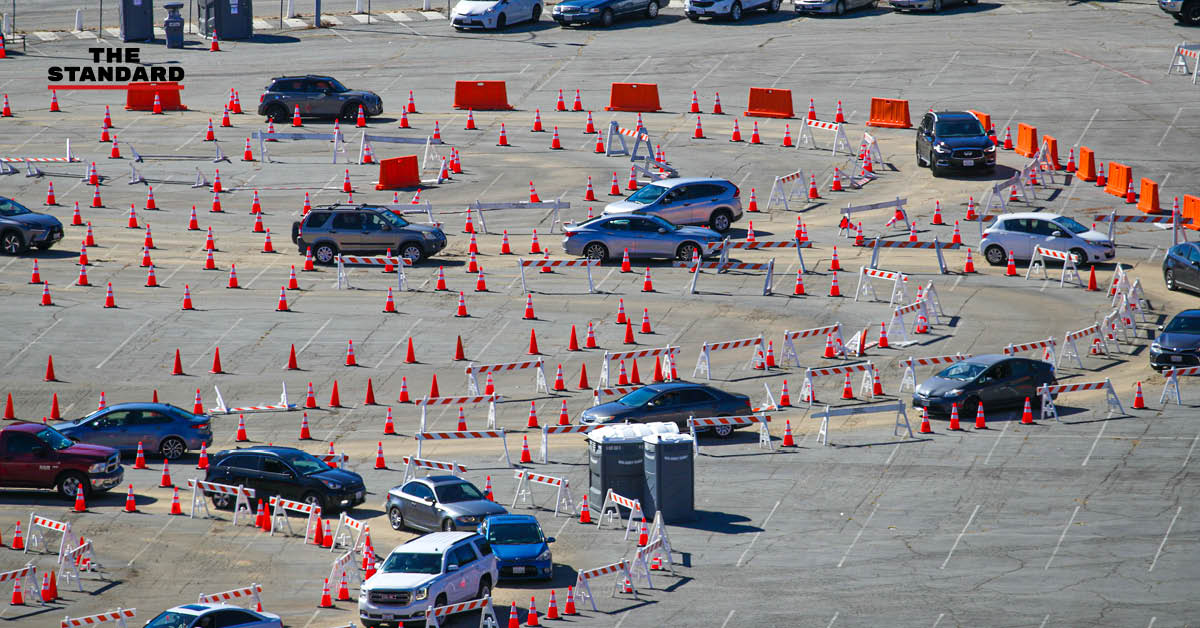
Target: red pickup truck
[{"x": 33, "y": 455}]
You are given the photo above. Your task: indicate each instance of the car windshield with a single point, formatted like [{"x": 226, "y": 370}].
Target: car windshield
[
  {"x": 964, "y": 371},
  {"x": 662, "y": 224},
  {"x": 9, "y": 207},
  {"x": 304, "y": 462},
  {"x": 54, "y": 438},
  {"x": 1183, "y": 325},
  {"x": 393, "y": 219},
  {"x": 171, "y": 619},
  {"x": 404, "y": 562},
  {"x": 647, "y": 194},
  {"x": 1070, "y": 224},
  {"x": 637, "y": 398},
  {"x": 514, "y": 534},
  {"x": 958, "y": 128},
  {"x": 457, "y": 492}
]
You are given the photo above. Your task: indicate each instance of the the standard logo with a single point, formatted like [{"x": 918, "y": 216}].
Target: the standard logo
[{"x": 110, "y": 73}]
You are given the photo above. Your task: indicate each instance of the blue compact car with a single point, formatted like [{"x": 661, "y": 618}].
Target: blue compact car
[{"x": 522, "y": 550}]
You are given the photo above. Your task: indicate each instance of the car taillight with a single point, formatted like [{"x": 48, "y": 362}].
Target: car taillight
[
  {"x": 748, "y": 403},
  {"x": 261, "y": 98},
  {"x": 201, "y": 426},
  {"x": 567, "y": 234},
  {"x": 736, "y": 192}
]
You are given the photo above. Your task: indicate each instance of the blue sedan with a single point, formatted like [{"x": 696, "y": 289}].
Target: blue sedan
[
  {"x": 160, "y": 427},
  {"x": 608, "y": 237},
  {"x": 521, "y": 549},
  {"x": 603, "y": 12}
]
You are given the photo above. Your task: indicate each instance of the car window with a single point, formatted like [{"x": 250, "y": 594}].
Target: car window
[
  {"x": 1193, "y": 253},
  {"x": 643, "y": 225},
  {"x": 1020, "y": 368},
  {"x": 1000, "y": 370},
  {"x": 150, "y": 417},
  {"x": 677, "y": 194},
  {"x": 666, "y": 400},
  {"x": 20, "y": 443},
  {"x": 705, "y": 190},
  {"x": 240, "y": 462},
  {"x": 1018, "y": 225},
  {"x": 374, "y": 222},
  {"x": 1044, "y": 227},
  {"x": 962, "y": 371},
  {"x": 618, "y": 224},
  {"x": 464, "y": 555},
  {"x": 321, "y": 85},
  {"x": 171, "y": 619},
  {"x": 347, "y": 220},
  {"x": 1183, "y": 325},
  {"x": 458, "y": 492},
  {"x": 485, "y": 548},
  {"x": 695, "y": 395},
  {"x": 418, "y": 490},
  {"x": 965, "y": 127},
  {"x": 637, "y": 398},
  {"x": 646, "y": 194},
  {"x": 316, "y": 220},
  {"x": 231, "y": 617},
  {"x": 271, "y": 464},
  {"x": 9, "y": 207},
  {"x": 118, "y": 419}
]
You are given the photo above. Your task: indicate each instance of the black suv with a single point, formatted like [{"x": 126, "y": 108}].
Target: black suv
[
  {"x": 21, "y": 227},
  {"x": 286, "y": 472},
  {"x": 369, "y": 229},
  {"x": 953, "y": 139},
  {"x": 316, "y": 96}
]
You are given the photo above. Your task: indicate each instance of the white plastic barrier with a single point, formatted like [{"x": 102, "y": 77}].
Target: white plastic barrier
[
  {"x": 1071, "y": 350},
  {"x": 202, "y": 488},
  {"x": 40, "y": 526},
  {"x": 898, "y": 279},
  {"x": 26, "y": 575},
  {"x": 1047, "y": 394},
  {"x": 491, "y": 400},
  {"x": 583, "y": 590},
  {"x": 866, "y": 388},
  {"x": 611, "y": 508},
  {"x": 901, "y": 424},
  {"x": 119, "y": 616},
  {"x": 839, "y": 144},
  {"x": 548, "y": 430},
  {"x": 350, "y": 533},
  {"x": 499, "y": 433},
  {"x": 898, "y": 330},
  {"x": 587, "y": 264},
  {"x": 782, "y": 193},
  {"x": 667, "y": 353},
  {"x": 555, "y": 206},
  {"x": 526, "y": 480},
  {"x": 280, "y": 508},
  {"x": 909, "y": 380},
  {"x": 282, "y": 406},
  {"x": 411, "y": 464},
  {"x": 703, "y": 361},
  {"x": 791, "y": 355},
  {"x": 472, "y": 370},
  {"x": 1047, "y": 346},
  {"x": 487, "y": 617},
  {"x": 896, "y": 205},
  {"x": 764, "y": 435},
  {"x": 1179, "y": 57},
  {"x": 1172, "y": 385},
  {"x": 253, "y": 592},
  {"x": 71, "y": 561},
  {"x": 1069, "y": 271}
]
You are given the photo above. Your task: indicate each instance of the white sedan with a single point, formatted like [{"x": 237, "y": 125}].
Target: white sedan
[
  {"x": 1020, "y": 233},
  {"x": 213, "y": 616},
  {"x": 494, "y": 13}
]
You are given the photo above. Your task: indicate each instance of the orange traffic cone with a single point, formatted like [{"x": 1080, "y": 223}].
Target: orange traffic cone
[
  {"x": 954, "y": 425},
  {"x": 569, "y": 607},
  {"x": 585, "y": 516},
  {"x": 1139, "y": 402},
  {"x": 380, "y": 463},
  {"x": 980, "y": 420},
  {"x": 788, "y": 439},
  {"x": 1026, "y": 413},
  {"x": 1011, "y": 271},
  {"x": 926, "y": 428}
]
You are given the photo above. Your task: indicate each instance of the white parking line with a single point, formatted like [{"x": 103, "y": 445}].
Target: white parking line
[
  {"x": 123, "y": 343},
  {"x": 864, "y": 71},
  {"x": 789, "y": 69},
  {"x": 938, "y": 620},
  {"x": 1173, "y": 120},
  {"x": 697, "y": 84},
  {"x": 151, "y": 543},
  {"x": 261, "y": 272},
  {"x": 216, "y": 343},
  {"x": 314, "y": 336},
  {"x": 1022, "y": 69},
  {"x": 1185, "y": 459},
  {"x": 1085, "y": 129},
  {"x": 831, "y": 620},
  {"x": 1060, "y": 538},
  {"x": 993, "y": 449},
  {"x": 728, "y": 617},
  {"x": 856, "y": 537},
  {"x": 756, "y": 534},
  {"x": 939, "y": 72},
  {"x": 494, "y": 337},
  {"x": 1164, "y": 541},
  {"x": 1094, "y": 443},
  {"x": 1045, "y": 620},
  {"x": 622, "y": 620},
  {"x": 627, "y": 76},
  {"x": 960, "y": 536},
  {"x": 59, "y": 320},
  {"x": 402, "y": 337}
]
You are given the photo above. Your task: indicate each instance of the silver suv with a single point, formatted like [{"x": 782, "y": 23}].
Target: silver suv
[
  {"x": 366, "y": 229},
  {"x": 688, "y": 201},
  {"x": 316, "y": 96},
  {"x": 433, "y": 570},
  {"x": 21, "y": 228}
]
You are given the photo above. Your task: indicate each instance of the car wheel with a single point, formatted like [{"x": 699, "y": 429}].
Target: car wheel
[
  {"x": 350, "y": 111},
  {"x": 172, "y": 448},
  {"x": 686, "y": 252},
  {"x": 325, "y": 253},
  {"x": 735, "y": 12},
  {"x": 933, "y": 167},
  {"x": 1169, "y": 279},
  {"x": 412, "y": 251},
  {"x": 69, "y": 484},
  {"x": 440, "y": 600},
  {"x": 606, "y": 18},
  {"x": 969, "y": 408},
  {"x": 278, "y": 113},
  {"x": 995, "y": 255},
  {"x": 313, "y": 498},
  {"x": 501, "y": 21},
  {"x": 1190, "y": 14},
  {"x": 537, "y": 13},
  {"x": 721, "y": 220},
  {"x": 1080, "y": 255},
  {"x": 222, "y": 501},
  {"x": 596, "y": 251},
  {"x": 723, "y": 431},
  {"x": 652, "y": 9},
  {"x": 396, "y": 518},
  {"x": 773, "y": 6},
  {"x": 840, "y": 8},
  {"x": 694, "y": 18},
  {"x": 12, "y": 242},
  {"x": 485, "y": 588},
  {"x": 448, "y": 525}
]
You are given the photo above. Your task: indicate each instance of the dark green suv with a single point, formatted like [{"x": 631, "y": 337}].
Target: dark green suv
[{"x": 364, "y": 229}]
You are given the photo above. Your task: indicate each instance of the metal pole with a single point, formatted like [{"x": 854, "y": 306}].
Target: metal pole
[
  {"x": 100, "y": 29},
  {"x": 368, "y": 11},
  {"x": 317, "y": 21}
]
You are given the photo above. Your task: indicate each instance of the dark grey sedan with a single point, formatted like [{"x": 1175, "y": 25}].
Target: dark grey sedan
[
  {"x": 439, "y": 502},
  {"x": 160, "y": 427},
  {"x": 671, "y": 401},
  {"x": 608, "y": 237},
  {"x": 21, "y": 228},
  {"x": 1178, "y": 342},
  {"x": 997, "y": 381}
]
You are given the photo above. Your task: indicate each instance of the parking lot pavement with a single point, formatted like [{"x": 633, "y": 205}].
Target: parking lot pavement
[{"x": 1087, "y": 521}]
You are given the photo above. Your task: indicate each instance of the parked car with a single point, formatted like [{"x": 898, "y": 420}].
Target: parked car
[
  {"x": 603, "y": 12},
  {"x": 1184, "y": 11},
  {"x": 522, "y": 549},
  {"x": 287, "y": 472},
  {"x": 670, "y": 401},
  {"x": 715, "y": 203},
  {"x": 334, "y": 229},
  {"x": 159, "y": 427},
  {"x": 438, "y": 502},
  {"x": 436, "y": 569},
  {"x": 731, "y": 10},
  {"x": 213, "y": 616},
  {"x": 316, "y": 96},
  {"x": 997, "y": 381},
  {"x": 494, "y": 13},
  {"x": 1021, "y": 232},
  {"x": 835, "y": 7},
  {"x": 1178, "y": 342},
  {"x": 21, "y": 228},
  {"x": 607, "y": 237},
  {"x": 33, "y": 455},
  {"x": 926, "y": 5},
  {"x": 953, "y": 139},
  {"x": 1181, "y": 267}
]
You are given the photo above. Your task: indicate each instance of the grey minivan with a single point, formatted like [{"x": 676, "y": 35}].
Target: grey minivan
[{"x": 715, "y": 203}]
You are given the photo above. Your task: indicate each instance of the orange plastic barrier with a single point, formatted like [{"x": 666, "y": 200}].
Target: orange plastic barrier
[
  {"x": 641, "y": 97},
  {"x": 984, "y": 119},
  {"x": 1191, "y": 209},
  {"x": 1027, "y": 140},
  {"x": 1119, "y": 178},
  {"x": 1148, "y": 198},
  {"x": 1052, "y": 151},
  {"x": 481, "y": 95},
  {"x": 890, "y": 113},
  {"x": 140, "y": 96},
  {"x": 770, "y": 103},
  {"x": 1086, "y": 169},
  {"x": 398, "y": 172}
]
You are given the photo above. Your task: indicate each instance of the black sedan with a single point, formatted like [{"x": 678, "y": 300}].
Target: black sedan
[
  {"x": 672, "y": 401},
  {"x": 1181, "y": 267},
  {"x": 603, "y": 12},
  {"x": 1178, "y": 342},
  {"x": 288, "y": 472},
  {"x": 996, "y": 381}
]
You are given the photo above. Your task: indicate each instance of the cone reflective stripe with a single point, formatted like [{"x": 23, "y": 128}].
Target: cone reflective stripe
[
  {"x": 1026, "y": 413},
  {"x": 839, "y": 118},
  {"x": 957, "y": 237},
  {"x": 1139, "y": 402},
  {"x": 388, "y": 426},
  {"x": 216, "y": 204},
  {"x": 736, "y": 135},
  {"x": 1011, "y": 271}
]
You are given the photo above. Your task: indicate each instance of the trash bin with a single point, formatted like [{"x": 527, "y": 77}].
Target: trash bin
[
  {"x": 137, "y": 20},
  {"x": 615, "y": 459},
  {"x": 670, "y": 477},
  {"x": 229, "y": 19},
  {"x": 173, "y": 25}
]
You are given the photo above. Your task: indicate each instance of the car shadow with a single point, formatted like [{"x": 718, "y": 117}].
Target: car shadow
[
  {"x": 958, "y": 9},
  {"x": 755, "y": 17},
  {"x": 630, "y": 23}
]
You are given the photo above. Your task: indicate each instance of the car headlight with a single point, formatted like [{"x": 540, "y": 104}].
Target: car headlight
[
  {"x": 429, "y": 235},
  {"x": 941, "y": 148},
  {"x": 593, "y": 10},
  {"x": 468, "y": 519},
  {"x": 557, "y": 8},
  {"x": 331, "y": 484},
  {"x": 990, "y": 148},
  {"x": 99, "y": 467},
  {"x": 421, "y": 593},
  {"x": 953, "y": 393},
  {"x": 544, "y": 555},
  {"x": 1155, "y": 347}
]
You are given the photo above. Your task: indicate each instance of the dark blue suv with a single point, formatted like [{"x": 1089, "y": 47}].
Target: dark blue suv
[
  {"x": 603, "y": 12},
  {"x": 953, "y": 139},
  {"x": 287, "y": 472}
]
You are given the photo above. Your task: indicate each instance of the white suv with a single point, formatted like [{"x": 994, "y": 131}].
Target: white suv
[
  {"x": 729, "y": 9},
  {"x": 432, "y": 570},
  {"x": 1020, "y": 233}
]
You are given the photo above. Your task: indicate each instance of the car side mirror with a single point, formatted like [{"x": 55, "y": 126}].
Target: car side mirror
[
  {"x": 387, "y": 227},
  {"x": 550, "y": 539},
  {"x": 429, "y": 500},
  {"x": 1160, "y": 328},
  {"x": 661, "y": 230},
  {"x": 1058, "y": 234},
  {"x": 450, "y": 568}
]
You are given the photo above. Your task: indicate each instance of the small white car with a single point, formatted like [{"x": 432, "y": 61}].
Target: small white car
[
  {"x": 484, "y": 14},
  {"x": 727, "y": 9},
  {"x": 433, "y": 570},
  {"x": 835, "y": 7},
  {"x": 213, "y": 616},
  {"x": 1020, "y": 233}
]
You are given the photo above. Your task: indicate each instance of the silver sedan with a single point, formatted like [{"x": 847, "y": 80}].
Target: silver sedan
[{"x": 608, "y": 237}]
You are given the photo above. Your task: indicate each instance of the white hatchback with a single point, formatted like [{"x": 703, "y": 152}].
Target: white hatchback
[
  {"x": 727, "y": 9},
  {"x": 483, "y": 14},
  {"x": 1020, "y": 233}
]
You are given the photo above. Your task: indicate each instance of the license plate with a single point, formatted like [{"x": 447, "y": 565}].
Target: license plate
[
  {"x": 388, "y": 617},
  {"x": 1177, "y": 358},
  {"x": 968, "y": 162},
  {"x": 518, "y": 570},
  {"x": 698, "y": 11}
]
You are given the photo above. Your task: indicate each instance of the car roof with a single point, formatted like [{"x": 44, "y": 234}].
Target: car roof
[
  {"x": 24, "y": 426},
  {"x": 435, "y": 542},
  {"x": 953, "y": 115},
  {"x": 510, "y": 518},
  {"x": 262, "y": 449},
  {"x": 302, "y": 76},
  {"x": 987, "y": 359},
  {"x": 347, "y": 207},
  {"x": 1193, "y": 313},
  {"x": 439, "y": 480},
  {"x": 1018, "y": 215},
  {"x": 137, "y": 405},
  {"x": 670, "y": 183},
  {"x": 675, "y": 385},
  {"x": 204, "y": 607}
]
